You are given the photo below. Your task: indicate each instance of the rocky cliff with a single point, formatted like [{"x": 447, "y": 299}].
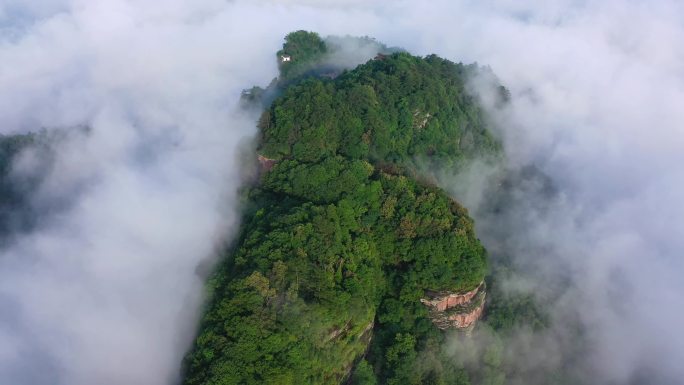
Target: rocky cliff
[
  {"x": 456, "y": 310},
  {"x": 265, "y": 164}
]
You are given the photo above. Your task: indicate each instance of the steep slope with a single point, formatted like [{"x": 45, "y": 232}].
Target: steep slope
[
  {"x": 340, "y": 239},
  {"x": 15, "y": 212}
]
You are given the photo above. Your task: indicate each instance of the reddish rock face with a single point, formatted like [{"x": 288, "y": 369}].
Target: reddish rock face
[
  {"x": 444, "y": 301},
  {"x": 265, "y": 163},
  {"x": 466, "y": 320},
  {"x": 456, "y": 310}
]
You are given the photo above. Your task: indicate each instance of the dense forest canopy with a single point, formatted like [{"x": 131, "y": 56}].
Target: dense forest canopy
[
  {"x": 340, "y": 239},
  {"x": 342, "y": 236},
  {"x": 301, "y": 52},
  {"x": 395, "y": 109}
]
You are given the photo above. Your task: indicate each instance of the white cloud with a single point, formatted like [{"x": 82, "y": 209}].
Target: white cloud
[{"x": 104, "y": 291}]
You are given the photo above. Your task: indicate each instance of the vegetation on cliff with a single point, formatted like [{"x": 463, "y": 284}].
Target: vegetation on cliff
[
  {"x": 340, "y": 239},
  {"x": 396, "y": 109}
]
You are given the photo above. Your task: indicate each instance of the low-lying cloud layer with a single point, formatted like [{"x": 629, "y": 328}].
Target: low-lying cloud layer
[{"x": 104, "y": 290}]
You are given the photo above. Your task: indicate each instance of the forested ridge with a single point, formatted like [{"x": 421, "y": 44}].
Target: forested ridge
[
  {"x": 341, "y": 237},
  {"x": 343, "y": 233}
]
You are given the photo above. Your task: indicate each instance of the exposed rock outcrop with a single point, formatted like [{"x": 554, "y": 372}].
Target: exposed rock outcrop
[
  {"x": 366, "y": 332},
  {"x": 420, "y": 120},
  {"x": 365, "y": 336},
  {"x": 456, "y": 310},
  {"x": 265, "y": 164}
]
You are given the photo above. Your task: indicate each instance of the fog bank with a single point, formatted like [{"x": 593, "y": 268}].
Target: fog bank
[{"x": 104, "y": 290}]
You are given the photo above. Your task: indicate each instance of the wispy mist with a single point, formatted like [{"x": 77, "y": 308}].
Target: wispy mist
[
  {"x": 104, "y": 290},
  {"x": 596, "y": 90}
]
